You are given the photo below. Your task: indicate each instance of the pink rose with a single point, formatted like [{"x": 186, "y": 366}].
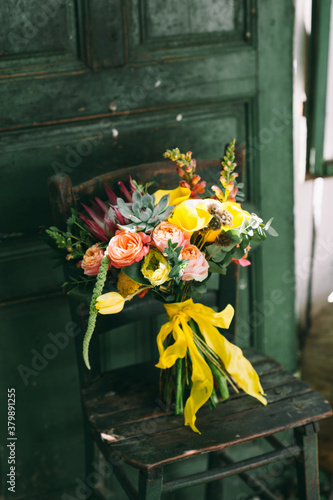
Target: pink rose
[
  {"x": 197, "y": 267},
  {"x": 166, "y": 231},
  {"x": 125, "y": 248},
  {"x": 92, "y": 260}
]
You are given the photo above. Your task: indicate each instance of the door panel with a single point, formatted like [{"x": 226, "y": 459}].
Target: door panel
[{"x": 92, "y": 85}]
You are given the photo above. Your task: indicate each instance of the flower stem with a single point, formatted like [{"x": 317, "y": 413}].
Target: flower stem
[
  {"x": 179, "y": 410},
  {"x": 213, "y": 362},
  {"x": 213, "y": 397},
  {"x": 220, "y": 379}
]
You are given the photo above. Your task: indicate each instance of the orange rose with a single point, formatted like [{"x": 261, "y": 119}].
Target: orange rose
[
  {"x": 166, "y": 231},
  {"x": 197, "y": 267},
  {"x": 125, "y": 248},
  {"x": 92, "y": 260}
]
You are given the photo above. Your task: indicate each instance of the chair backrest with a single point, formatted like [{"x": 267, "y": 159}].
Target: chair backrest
[{"x": 63, "y": 196}]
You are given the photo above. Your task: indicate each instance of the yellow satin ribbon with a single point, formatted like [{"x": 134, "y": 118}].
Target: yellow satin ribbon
[{"x": 202, "y": 379}]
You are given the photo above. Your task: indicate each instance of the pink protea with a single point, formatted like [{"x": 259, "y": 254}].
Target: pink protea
[{"x": 104, "y": 218}]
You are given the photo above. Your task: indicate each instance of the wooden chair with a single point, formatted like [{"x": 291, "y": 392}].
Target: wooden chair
[{"x": 122, "y": 412}]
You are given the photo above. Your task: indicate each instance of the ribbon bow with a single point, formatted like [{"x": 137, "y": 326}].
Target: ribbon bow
[{"x": 231, "y": 356}]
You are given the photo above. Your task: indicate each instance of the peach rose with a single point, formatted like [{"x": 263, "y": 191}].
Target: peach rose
[
  {"x": 92, "y": 260},
  {"x": 166, "y": 231},
  {"x": 125, "y": 248},
  {"x": 197, "y": 267}
]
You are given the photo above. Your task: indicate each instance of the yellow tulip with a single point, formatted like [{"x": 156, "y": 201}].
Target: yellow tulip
[
  {"x": 177, "y": 195},
  {"x": 191, "y": 215},
  {"x": 110, "y": 303}
]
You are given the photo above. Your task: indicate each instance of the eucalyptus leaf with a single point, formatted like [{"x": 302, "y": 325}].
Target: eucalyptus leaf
[
  {"x": 227, "y": 260},
  {"x": 238, "y": 254},
  {"x": 271, "y": 231},
  {"x": 235, "y": 235},
  {"x": 212, "y": 248},
  {"x": 215, "y": 268},
  {"x": 219, "y": 255}
]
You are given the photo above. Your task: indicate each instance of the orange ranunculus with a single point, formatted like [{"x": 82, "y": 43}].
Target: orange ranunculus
[
  {"x": 197, "y": 267},
  {"x": 92, "y": 260},
  {"x": 125, "y": 248},
  {"x": 166, "y": 231}
]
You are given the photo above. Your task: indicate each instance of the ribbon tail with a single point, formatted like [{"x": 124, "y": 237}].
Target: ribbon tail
[
  {"x": 202, "y": 381},
  {"x": 233, "y": 359},
  {"x": 177, "y": 350}
]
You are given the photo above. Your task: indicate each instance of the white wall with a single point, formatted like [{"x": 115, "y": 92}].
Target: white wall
[{"x": 313, "y": 199}]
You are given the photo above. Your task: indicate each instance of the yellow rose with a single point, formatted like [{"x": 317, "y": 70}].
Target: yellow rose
[
  {"x": 191, "y": 215},
  {"x": 155, "y": 267},
  {"x": 177, "y": 195}
]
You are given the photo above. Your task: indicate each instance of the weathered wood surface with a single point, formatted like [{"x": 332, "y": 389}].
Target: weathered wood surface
[
  {"x": 317, "y": 370},
  {"x": 136, "y": 427}
]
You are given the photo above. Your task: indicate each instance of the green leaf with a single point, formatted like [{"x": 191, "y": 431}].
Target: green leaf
[
  {"x": 134, "y": 272},
  {"x": 124, "y": 209},
  {"x": 136, "y": 208},
  {"x": 200, "y": 287},
  {"x": 212, "y": 248},
  {"x": 170, "y": 298},
  {"x": 219, "y": 255},
  {"x": 215, "y": 268},
  {"x": 227, "y": 260},
  {"x": 235, "y": 235},
  {"x": 146, "y": 200},
  {"x": 272, "y": 232},
  {"x": 238, "y": 254},
  {"x": 136, "y": 197},
  {"x": 145, "y": 215},
  {"x": 163, "y": 203}
]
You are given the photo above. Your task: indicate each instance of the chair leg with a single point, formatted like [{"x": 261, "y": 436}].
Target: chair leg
[
  {"x": 307, "y": 468},
  {"x": 150, "y": 484},
  {"x": 214, "y": 490}
]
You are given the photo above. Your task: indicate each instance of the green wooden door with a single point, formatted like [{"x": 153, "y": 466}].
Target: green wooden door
[{"x": 92, "y": 85}]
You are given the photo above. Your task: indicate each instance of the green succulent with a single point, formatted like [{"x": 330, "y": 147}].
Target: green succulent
[{"x": 143, "y": 214}]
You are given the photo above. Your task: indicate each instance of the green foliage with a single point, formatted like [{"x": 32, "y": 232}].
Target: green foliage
[
  {"x": 198, "y": 289},
  {"x": 134, "y": 272},
  {"x": 74, "y": 241},
  {"x": 144, "y": 215},
  {"x": 143, "y": 189},
  {"x": 178, "y": 265}
]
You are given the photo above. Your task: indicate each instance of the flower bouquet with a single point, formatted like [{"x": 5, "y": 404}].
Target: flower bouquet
[{"x": 168, "y": 244}]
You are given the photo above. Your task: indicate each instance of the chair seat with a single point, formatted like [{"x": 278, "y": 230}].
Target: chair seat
[{"x": 128, "y": 420}]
